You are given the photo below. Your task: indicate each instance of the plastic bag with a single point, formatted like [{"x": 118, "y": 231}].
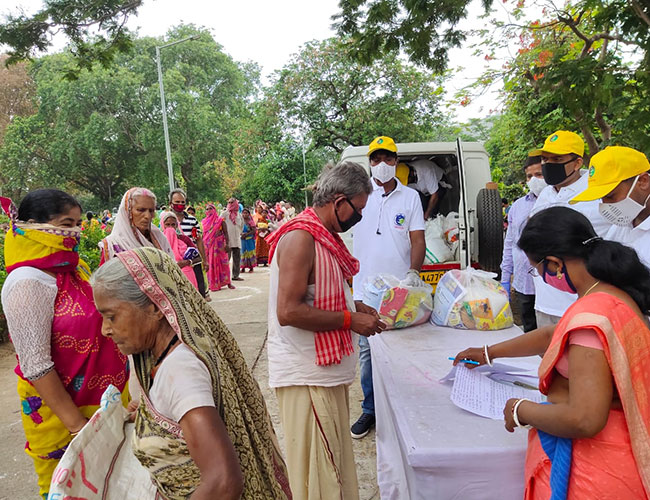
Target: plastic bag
[
  {"x": 398, "y": 305},
  {"x": 437, "y": 250},
  {"x": 471, "y": 300},
  {"x": 450, "y": 232},
  {"x": 99, "y": 462}
]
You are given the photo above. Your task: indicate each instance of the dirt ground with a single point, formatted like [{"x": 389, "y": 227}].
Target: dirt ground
[{"x": 244, "y": 310}]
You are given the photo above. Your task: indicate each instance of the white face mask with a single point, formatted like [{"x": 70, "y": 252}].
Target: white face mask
[
  {"x": 536, "y": 185},
  {"x": 383, "y": 172},
  {"x": 623, "y": 212}
]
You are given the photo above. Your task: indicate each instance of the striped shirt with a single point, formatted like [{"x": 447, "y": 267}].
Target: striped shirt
[{"x": 188, "y": 224}]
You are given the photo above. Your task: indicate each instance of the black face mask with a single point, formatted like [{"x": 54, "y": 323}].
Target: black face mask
[
  {"x": 555, "y": 173},
  {"x": 350, "y": 221}
]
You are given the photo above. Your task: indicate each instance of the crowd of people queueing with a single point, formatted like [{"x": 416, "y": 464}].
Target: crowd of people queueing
[{"x": 225, "y": 233}]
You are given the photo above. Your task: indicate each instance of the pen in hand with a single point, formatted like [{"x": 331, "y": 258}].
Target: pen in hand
[{"x": 468, "y": 361}]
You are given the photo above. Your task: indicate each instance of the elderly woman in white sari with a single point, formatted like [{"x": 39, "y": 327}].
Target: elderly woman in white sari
[{"x": 133, "y": 226}]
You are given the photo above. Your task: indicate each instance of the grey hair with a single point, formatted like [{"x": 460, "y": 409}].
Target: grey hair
[
  {"x": 346, "y": 178},
  {"x": 114, "y": 279},
  {"x": 177, "y": 191}
]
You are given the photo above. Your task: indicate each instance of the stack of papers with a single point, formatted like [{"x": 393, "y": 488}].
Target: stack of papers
[{"x": 485, "y": 390}]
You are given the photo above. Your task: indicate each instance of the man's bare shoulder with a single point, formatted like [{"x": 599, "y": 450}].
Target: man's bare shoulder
[{"x": 296, "y": 244}]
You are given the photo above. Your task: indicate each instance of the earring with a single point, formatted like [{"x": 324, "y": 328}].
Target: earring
[{"x": 558, "y": 274}]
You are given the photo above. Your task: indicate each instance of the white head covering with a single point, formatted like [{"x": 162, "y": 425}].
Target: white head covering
[
  {"x": 128, "y": 237},
  {"x": 164, "y": 216}
]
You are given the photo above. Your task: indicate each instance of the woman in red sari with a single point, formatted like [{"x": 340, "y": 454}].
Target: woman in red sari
[
  {"x": 215, "y": 239},
  {"x": 592, "y": 438}
]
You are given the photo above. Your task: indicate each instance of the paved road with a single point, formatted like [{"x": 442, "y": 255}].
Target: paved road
[{"x": 244, "y": 310}]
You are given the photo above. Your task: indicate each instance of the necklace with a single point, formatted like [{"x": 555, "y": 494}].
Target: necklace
[
  {"x": 171, "y": 344},
  {"x": 592, "y": 287}
]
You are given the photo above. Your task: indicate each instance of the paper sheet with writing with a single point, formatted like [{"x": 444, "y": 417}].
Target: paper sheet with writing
[{"x": 476, "y": 393}]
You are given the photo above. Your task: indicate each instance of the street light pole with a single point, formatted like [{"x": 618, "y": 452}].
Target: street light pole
[{"x": 170, "y": 168}]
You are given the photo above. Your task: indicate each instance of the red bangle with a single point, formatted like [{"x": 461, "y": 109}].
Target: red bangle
[{"x": 347, "y": 320}]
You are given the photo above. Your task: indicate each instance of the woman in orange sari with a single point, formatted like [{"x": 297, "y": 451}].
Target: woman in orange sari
[{"x": 592, "y": 438}]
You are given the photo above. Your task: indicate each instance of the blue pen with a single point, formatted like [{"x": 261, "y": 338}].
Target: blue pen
[{"x": 468, "y": 361}]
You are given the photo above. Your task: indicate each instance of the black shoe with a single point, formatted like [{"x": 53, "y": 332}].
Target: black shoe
[
  {"x": 238, "y": 279},
  {"x": 362, "y": 426}
]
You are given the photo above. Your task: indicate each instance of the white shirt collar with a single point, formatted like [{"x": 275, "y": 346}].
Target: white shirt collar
[{"x": 398, "y": 186}]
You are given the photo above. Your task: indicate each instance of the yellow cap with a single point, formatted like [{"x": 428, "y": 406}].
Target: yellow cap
[
  {"x": 561, "y": 142},
  {"x": 402, "y": 173},
  {"x": 609, "y": 168},
  {"x": 382, "y": 142}
]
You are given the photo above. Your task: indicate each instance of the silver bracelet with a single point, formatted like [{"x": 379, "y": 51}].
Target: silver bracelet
[
  {"x": 486, "y": 356},
  {"x": 514, "y": 414}
]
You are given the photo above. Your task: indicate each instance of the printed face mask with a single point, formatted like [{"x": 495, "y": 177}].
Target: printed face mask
[
  {"x": 350, "y": 221},
  {"x": 383, "y": 172},
  {"x": 563, "y": 283},
  {"x": 623, "y": 212},
  {"x": 536, "y": 185},
  {"x": 555, "y": 173}
]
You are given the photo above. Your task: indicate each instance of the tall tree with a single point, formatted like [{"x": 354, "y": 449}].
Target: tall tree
[
  {"x": 17, "y": 91},
  {"x": 103, "y": 131},
  {"x": 583, "y": 67},
  {"x": 96, "y": 31},
  {"x": 325, "y": 94},
  {"x": 425, "y": 30}
]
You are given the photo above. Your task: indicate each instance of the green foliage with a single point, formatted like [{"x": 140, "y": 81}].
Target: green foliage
[
  {"x": 424, "y": 30},
  {"x": 280, "y": 175},
  {"x": 89, "y": 249},
  {"x": 76, "y": 19},
  {"x": 325, "y": 94},
  {"x": 511, "y": 192},
  {"x": 582, "y": 67},
  {"x": 102, "y": 132}
]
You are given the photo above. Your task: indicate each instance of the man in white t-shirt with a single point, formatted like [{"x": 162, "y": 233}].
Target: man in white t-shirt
[
  {"x": 389, "y": 239},
  {"x": 562, "y": 169},
  {"x": 620, "y": 177},
  {"x": 425, "y": 177},
  {"x": 312, "y": 339}
]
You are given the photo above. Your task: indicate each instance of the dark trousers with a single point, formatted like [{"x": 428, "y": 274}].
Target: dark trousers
[
  {"x": 200, "y": 280},
  {"x": 527, "y": 308},
  {"x": 235, "y": 253}
]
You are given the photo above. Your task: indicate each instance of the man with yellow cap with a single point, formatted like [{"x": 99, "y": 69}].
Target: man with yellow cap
[
  {"x": 388, "y": 239},
  {"x": 619, "y": 176},
  {"x": 562, "y": 161}
]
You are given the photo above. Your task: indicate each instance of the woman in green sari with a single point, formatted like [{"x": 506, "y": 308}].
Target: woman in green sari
[{"x": 202, "y": 428}]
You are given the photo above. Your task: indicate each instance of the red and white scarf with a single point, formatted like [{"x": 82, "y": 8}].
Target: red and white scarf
[{"x": 333, "y": 264}]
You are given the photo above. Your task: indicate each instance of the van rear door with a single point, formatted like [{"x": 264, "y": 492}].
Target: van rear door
[{"x": 464, "y": 227}]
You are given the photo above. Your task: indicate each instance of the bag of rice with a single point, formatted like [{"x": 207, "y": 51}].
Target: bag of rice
[
  {"x": 471, "y": 299},
  {"x": 399, "y": 305}
]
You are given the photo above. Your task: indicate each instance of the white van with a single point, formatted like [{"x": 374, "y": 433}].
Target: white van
[{"x": 473, "y": 195}]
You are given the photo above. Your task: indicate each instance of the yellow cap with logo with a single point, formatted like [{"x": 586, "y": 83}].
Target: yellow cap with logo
[
  {"x": 402, "y": 173},
  {"x": 609, "y": 168},
  {"x": 382, "y": 142},
  {"x": 561, "y": 142}
]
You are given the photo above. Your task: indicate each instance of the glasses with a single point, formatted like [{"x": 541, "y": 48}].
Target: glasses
[{"x": 533, "y": 270}]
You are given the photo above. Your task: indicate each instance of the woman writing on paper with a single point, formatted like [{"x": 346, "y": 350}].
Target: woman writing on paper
[{"x": 592, "y": 439}]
